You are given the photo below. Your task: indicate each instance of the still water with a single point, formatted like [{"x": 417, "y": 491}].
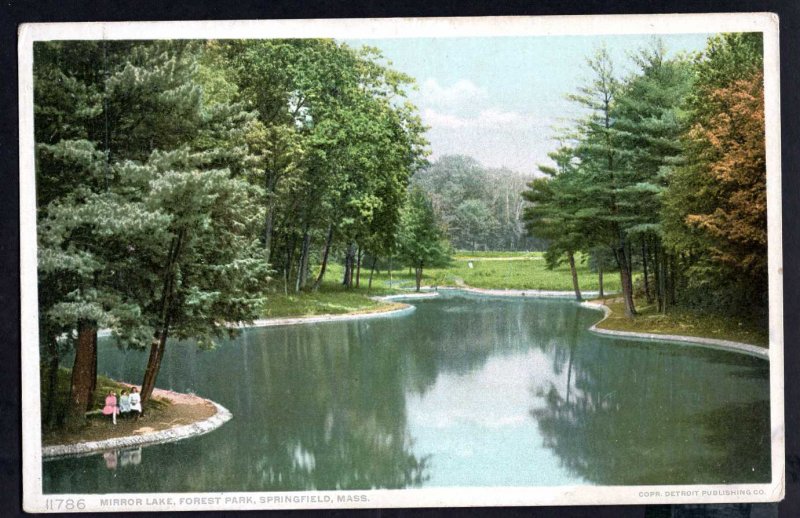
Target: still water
[{"x": 466, "y": 390}]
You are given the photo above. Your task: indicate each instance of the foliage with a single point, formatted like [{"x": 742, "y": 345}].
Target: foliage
[
  {"x": 421, "y": 243},
  {"x": 480, "y": 207}
]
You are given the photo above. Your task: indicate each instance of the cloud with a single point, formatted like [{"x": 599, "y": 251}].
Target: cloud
[
  {"x": 489, "y": 118},
  {"x": 461, "y": 93}
]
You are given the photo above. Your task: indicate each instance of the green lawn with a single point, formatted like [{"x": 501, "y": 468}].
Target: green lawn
[
  {"x": 684, "y": 322},
  {"x": 463, "y": 254},
  {"x": 518, "y": 270},
  {"x": 513, "y": 270},
  {"x": 329, "y": 300}
]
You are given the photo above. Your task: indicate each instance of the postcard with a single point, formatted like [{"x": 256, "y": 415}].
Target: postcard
[{"x": 430, "y": 262}]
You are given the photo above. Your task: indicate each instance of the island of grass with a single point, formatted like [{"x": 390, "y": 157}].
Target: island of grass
[{"x": 166, "y": 410}]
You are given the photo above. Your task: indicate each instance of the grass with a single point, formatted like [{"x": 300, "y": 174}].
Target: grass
[
  {"x": 508, "y": 270},
  {"x": 464, "y": 254},
  {"x": 331, "y": 299},
  {"x": 519, "y": 270},
  {"x": 501, "y": 270},
  {"x": 681, "y": 321},
  {"x": 104, "y": 385}
]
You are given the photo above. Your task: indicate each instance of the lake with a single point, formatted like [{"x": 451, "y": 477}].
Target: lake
[{"x": 467, "y": 390}]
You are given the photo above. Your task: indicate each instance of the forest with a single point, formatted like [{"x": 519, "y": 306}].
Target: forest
[
  {"x": 181, "y": 185},
  {"x": 479, "y": 208},
  {"x": 664, "y": 180},
  {"x": 178, "y": 183}
]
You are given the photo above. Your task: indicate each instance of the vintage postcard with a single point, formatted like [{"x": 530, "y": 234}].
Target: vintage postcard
[{"x": 377, "y": 263}]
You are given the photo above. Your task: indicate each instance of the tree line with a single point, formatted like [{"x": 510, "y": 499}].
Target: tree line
[
  {"x": 180, "y": 182},
  {"x": 664, "y": 179},
  {"x": 479, "y": 207}
]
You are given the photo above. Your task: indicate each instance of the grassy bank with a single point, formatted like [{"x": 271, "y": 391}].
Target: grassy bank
[
  {"x": 512, "y": 270},
  {"x": 507, "y": 270},
  {"x": 518, "y": 270},
  {"x": 683, "y": 322},
  {"x": 161, "y": 414},
  {"x": 500, "y": 270}
]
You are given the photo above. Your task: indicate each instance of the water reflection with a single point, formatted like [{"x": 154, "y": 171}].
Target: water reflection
[
  {"x": 467, "y": 391},
  {"x": 649, "y": 414},
  {"x": 122, "y": 458}
]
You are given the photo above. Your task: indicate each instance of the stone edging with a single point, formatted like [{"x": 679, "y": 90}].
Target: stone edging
[
  {"x": 713, "y": 343},
  {"x": 427, "y": 294},
  {"x": 288, "y": 321},
  {"x": 158, "y": 437}
]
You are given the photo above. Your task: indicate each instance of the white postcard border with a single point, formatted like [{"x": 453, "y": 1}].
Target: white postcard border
[{"x": 35, "y": 501}]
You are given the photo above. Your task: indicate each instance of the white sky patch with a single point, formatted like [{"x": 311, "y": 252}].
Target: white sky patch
[
  {"x": 494, "y": 137},
  {"x": 462, "y": 93},
  {"x": 488, "y": 118}
]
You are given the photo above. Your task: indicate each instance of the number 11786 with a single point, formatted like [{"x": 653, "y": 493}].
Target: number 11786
[{"x": 65, "y": 504}]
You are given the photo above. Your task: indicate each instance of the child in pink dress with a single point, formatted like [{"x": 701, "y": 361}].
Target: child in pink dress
[{"x": 111, "y": 407}]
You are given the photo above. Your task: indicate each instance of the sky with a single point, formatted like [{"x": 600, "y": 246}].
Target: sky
[{"x": 499, "y": 99}]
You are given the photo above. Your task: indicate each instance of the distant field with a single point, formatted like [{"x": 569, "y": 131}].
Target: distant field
[
  {"x": 502, "y": 270},
  {"x": 508, "y": 270},
  {"x": 463, "y": 254}
]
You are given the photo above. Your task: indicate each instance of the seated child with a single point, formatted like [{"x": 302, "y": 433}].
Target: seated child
[
  {"x": 111, "y": 407},
  {"x": 135, "y": 400},
  {"x": 124, "y": 404}
]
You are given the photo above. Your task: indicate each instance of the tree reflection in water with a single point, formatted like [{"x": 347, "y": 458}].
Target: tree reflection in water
[
  {"x": 633, "y": 413},
  {"x": 395, "y": 402}
]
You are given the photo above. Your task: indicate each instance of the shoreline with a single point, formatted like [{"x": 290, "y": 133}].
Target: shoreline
[
  {"x": 536, "y": 294},
  {"x": 176, "y": 433},
  {"x": 710, "y": 343},
  {"x": 391, "y": 311},
  {"x": 222, "y": 415}
]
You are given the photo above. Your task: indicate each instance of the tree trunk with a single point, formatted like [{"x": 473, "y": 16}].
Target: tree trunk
[
  {"x": 290, "y": 246},
  {"x": 358, "y": 266},
  {"x": 349, "y": 262},
  {"x": 647, "y": 292},
  {"x": 81, "y": 383},
  {"x": 271, "y": 181},
  {"x": 672, "y": 264},
  {"x": 372, "y": 271},
  {"x": 625, "y": 279},
  {"x": 302, "y": 271},
  {"x": 418, "y": 275},
  {"x": 574, "y": 273},
  {"x": 328, "y": 243},
  {"x": 160, "y": 335},
  {"x": 659, "y": 280},
  {"x": 662, "y": 282},
  {"x": 600, "y": 277},
  {"x": 52, "y": 381},
  {"x": 268, "y": 222},
  {"x": 390, "y": 271},
  {"x": 153, "y": 366}
]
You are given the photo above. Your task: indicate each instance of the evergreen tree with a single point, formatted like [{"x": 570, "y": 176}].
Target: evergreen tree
[{"x": 554, "y": 213}]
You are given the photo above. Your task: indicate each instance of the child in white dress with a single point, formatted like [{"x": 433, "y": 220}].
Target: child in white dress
[{"x": 135, "y": 401}]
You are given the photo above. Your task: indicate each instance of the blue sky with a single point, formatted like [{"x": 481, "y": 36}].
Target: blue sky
[{"x": 498, "y": 99}]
